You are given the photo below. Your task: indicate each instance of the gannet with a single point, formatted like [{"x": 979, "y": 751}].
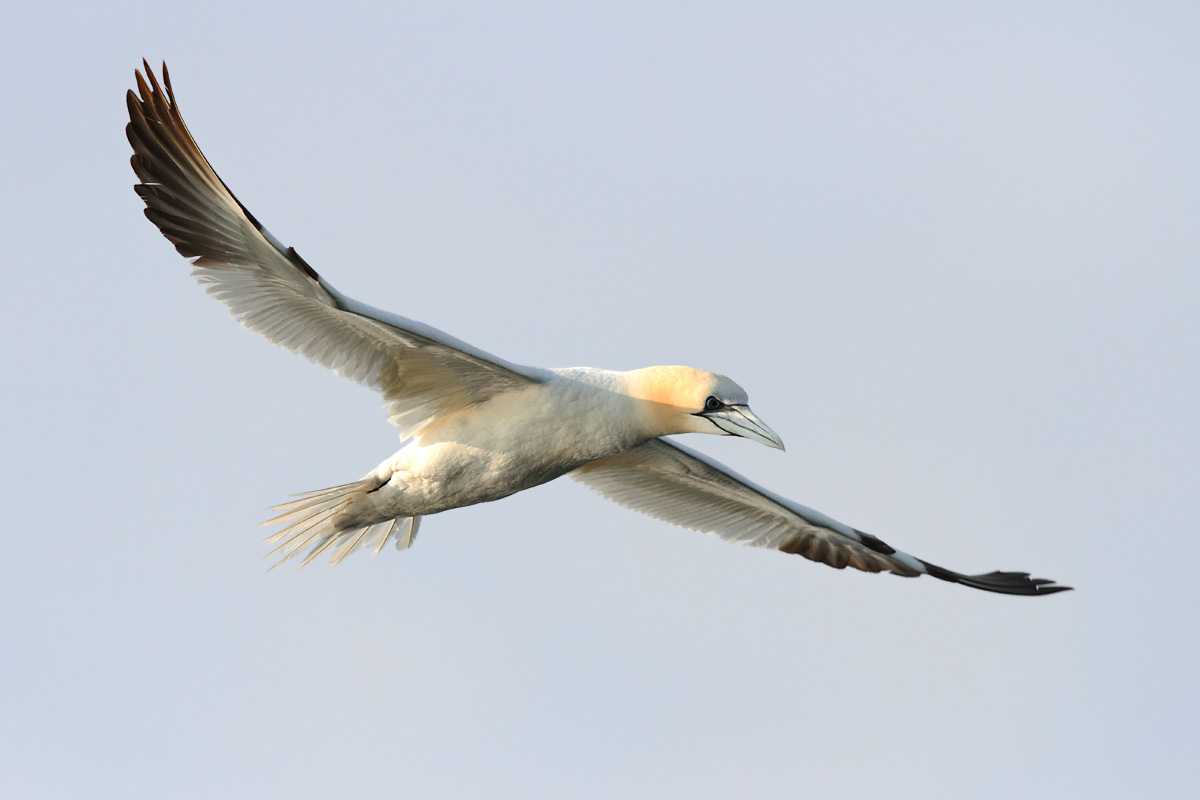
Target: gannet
[{"x": 473, "y": 427}]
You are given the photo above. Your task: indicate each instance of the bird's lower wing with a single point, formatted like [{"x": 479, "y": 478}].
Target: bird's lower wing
[
  {"x": 423, "y": 374},
  {"x": 682, "y": 487}
]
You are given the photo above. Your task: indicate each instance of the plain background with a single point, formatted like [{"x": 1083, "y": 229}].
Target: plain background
[{"x": 950, "y": 249}]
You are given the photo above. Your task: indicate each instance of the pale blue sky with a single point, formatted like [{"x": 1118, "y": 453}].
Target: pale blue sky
[{"x": 951, "y": 250}]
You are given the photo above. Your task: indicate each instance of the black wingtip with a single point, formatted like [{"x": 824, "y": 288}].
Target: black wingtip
[{"x": 1018, "y": 583}]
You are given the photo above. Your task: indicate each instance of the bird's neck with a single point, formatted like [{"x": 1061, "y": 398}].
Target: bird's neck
[{"x": 655, "y": 393}]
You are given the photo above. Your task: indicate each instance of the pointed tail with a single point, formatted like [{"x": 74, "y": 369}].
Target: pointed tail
[{"x": 312, "y": 522}]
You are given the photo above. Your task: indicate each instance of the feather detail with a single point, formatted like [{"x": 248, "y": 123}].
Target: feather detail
[{"x": 315, "y": 522}]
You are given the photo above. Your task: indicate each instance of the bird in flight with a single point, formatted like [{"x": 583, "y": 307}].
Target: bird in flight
[{"x": 474, "y": 427}]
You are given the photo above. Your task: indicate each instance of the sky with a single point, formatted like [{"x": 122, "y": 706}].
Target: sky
[{"x": 950, "y": 250}]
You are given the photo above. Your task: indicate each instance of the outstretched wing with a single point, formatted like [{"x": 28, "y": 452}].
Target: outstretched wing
[
  {"x": 422, "y": 373},
  {"x": 682, "y": 487}
]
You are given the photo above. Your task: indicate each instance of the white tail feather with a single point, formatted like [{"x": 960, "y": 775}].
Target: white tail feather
[
  {"x": 312, "y": 522},
  {"x": 350, "y": 545},
  {"x": 409, "y": 535},
  {"x": 370, "y": 543}
]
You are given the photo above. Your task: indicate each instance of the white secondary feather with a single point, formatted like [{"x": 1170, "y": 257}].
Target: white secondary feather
[
  {"x": 478, "y": 428},
  {"x": 422, "y": 375}
]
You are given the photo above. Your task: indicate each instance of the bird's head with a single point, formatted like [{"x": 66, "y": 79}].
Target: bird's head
[{"x": 686, "y": 400}]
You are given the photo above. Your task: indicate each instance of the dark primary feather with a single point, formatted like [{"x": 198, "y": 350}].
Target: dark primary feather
[
  {"x": 180, "y": 188},
  {"x": 999, "y": 582}
]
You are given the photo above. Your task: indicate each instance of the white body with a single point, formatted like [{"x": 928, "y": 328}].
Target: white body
[{"x": 506, "y": 444}]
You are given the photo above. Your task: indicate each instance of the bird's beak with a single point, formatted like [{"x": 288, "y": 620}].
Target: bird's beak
[{"x": 741, "y": 421}]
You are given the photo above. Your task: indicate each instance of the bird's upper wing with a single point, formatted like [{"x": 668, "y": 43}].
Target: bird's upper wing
[
  {"x": 423, "y": 374},
  {"x": 682, "y": 487}
]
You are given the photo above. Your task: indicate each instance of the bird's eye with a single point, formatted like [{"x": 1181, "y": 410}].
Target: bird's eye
[{"x": 712, "y": 404}]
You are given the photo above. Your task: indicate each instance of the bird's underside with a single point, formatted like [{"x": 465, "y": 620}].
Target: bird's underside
[{"x": 431, "y": 381}]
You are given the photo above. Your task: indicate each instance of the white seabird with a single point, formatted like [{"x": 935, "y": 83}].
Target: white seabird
[{"x": 474, "y": 427}]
